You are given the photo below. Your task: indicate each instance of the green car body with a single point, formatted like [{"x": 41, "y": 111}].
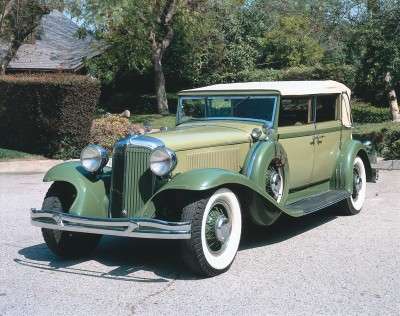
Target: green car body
[{"x": 315, "y": 160}]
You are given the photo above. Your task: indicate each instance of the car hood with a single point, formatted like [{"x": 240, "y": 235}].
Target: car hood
[{"x": 191, "y": 136}]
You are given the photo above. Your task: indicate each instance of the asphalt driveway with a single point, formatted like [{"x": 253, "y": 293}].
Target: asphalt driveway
[{"x": 321, "y": 264}]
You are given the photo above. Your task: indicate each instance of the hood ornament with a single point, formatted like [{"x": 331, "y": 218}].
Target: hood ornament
[{"x": 147, "y": 127}]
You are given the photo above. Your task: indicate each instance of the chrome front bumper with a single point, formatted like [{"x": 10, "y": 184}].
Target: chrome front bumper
[{"x": 134, "y": 227}]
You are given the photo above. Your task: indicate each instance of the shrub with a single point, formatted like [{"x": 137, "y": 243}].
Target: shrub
[
  {"x": 47, "y": 114},
  {"x": 386, "y": 140},
  {"x": 106, "y": 130},
  {"x": 391, "y": 149},
  {"x": 367, "y": 113}
]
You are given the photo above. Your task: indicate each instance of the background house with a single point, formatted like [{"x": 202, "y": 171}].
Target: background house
[{"x": 55, "y": 47}]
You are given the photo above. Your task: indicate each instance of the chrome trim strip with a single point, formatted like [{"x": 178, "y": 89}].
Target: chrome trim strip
[
  {"x": 134, "y": 227},
  {"x": 140, "y": 141}
]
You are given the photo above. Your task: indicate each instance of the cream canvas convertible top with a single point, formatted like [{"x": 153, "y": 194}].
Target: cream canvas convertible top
[{"x": 286, "y": 88}]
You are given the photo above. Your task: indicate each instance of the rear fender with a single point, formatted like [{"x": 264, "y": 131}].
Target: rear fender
[
  {"x": 92, "y": 197},
  {"x": 343, "y": 179}
]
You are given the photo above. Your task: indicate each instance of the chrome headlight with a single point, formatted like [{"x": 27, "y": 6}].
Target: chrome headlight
[
  {"x": 94, "y": 158},
  {"x": 162, "y": 161}
]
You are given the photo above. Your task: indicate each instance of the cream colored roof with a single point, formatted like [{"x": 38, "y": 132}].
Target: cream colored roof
[{"x": 283, "y": 87}]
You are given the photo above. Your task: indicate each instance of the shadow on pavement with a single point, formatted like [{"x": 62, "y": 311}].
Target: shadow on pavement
[
  {"x": 128, "y": 258},
  {"x": 285, "y": 228}
]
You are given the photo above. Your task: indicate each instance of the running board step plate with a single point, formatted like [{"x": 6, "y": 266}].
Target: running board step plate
[{"x": 316, "y": 202}]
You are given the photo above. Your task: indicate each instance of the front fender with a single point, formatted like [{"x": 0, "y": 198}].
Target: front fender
[
  {"x": 92, "y": 191},
  {"x": 262, "y": 207}
]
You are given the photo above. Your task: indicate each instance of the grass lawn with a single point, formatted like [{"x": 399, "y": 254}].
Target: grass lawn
[
  {"x": 8, "y": 154},
  {"x": 156, "y": 120}
]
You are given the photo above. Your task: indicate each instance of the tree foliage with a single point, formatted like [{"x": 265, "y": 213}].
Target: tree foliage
[
  {"x": 355, "y": 41},
  {"x": 291, "y": 44},
  {"x": 376, "y": 45}
]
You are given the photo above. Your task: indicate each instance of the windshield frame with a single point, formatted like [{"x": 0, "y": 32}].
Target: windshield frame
[{"x": 229, "y": 118}]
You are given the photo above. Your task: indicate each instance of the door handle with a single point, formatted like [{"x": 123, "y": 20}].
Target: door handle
[{"x": 317, "y": 138}]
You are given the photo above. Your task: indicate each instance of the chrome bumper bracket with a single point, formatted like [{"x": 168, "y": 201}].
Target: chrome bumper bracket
[{"x": 130, "y": 227}]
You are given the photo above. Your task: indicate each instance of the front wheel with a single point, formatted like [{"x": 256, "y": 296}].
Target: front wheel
[
  {"x": 353, "y": 204},
  {"x": 65, "y": 244},
  {"x": 216, "y": 223}
]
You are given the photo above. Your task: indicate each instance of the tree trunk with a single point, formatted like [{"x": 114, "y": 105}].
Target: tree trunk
[
  {"x": 7, "y": 55},
  {"x": 159, "y": 78},
  {"x": 393, "y": 104}
]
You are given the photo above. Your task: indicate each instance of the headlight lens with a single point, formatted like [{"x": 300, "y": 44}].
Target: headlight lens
[
  {"x": 162, "y": 161},
  {"x": 94, "y": 158}
]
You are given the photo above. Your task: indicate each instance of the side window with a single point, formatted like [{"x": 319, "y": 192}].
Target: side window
[
  {"x": 326, "y": 107},
  {"x": 295, "y": 111}
]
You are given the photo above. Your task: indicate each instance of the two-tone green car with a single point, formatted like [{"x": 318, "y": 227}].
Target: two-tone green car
[{"x": 239, "y": 151}]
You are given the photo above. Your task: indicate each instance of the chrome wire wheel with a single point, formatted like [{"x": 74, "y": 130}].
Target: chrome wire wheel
[
  {"x": 216, "y": 222},
  {"x": 221, "y": 228},
  {"x": 218, "y": 227},
  {"x": 274, "y": 182}
]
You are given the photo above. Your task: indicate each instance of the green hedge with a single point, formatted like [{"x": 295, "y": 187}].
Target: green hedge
[
  {"x": 342, "y": 73},
  {"x": 367, "y": 113},
  {"x": 391, "y": 148},
  {"x": 47, "y": 114}
]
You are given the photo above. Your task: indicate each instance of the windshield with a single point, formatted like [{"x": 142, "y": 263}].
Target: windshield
[{"x": 255, "y": 108}]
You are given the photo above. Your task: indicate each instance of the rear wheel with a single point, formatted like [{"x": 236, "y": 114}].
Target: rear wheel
[
  {"x": 216, "y": 223},
  {"x": 353, "y": 204},
  {"x": 63, "y": 243}
]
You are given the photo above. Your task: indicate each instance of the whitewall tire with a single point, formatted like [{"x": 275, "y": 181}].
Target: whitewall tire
[
  {"x": 216, "y": 222},
  {"x": 353, "y": 204}
]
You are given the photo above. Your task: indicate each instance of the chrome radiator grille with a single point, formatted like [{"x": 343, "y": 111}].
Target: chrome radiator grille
[{"x": 132, "y": 182}]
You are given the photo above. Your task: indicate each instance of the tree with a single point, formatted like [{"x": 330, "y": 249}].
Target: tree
[
  {"x": 138, "y": 32},
  {"x": 291, "y": 44},
  {"x": 375, "y": 41},
  {"x": 159, "y": 22},
  {"x": 216, "y": 44},
  {"x": 18, "y": 19}
]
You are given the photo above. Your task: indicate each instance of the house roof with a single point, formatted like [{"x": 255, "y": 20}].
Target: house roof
[
  {"x": 56, "y": 46},
  {"x": 287, "y": 88}
]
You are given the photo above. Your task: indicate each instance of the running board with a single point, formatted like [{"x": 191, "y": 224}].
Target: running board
[{"x": 316, "y": 202}]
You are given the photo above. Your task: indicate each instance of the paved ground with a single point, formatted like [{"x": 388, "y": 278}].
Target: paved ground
[{"x": 320, "y": 264}]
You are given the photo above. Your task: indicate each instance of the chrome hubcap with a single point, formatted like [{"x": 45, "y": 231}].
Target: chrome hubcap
[
  {"x": 275, "y": 183},
  {"x": 357, "y": 182},
  {"x": 222, "y": 228},
  {"x": 218, "y": 228}
]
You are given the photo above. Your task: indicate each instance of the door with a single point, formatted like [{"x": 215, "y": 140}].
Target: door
[
  {"x": 327, "y": 136},
  {"x": 296, "y": 131}
]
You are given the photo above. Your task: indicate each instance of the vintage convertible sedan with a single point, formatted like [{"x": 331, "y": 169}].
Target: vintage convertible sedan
[{"x": 243, "y": 151}]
